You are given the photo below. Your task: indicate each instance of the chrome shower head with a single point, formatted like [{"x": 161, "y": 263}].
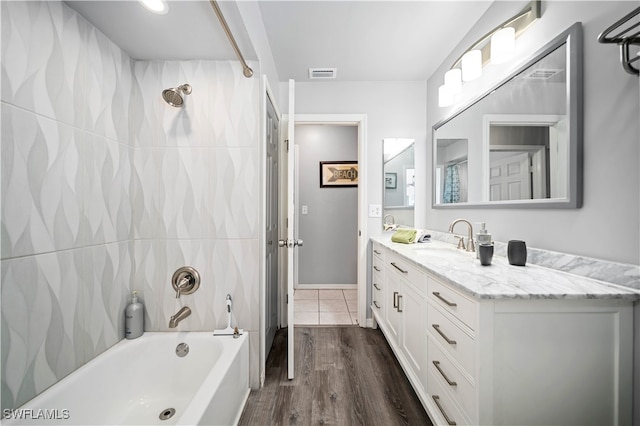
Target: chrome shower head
[{"x": 173, "y": 96}]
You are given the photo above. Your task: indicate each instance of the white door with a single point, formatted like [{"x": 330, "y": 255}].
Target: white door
[
  {"x": 272, "y": 229},
  {"x": 509, "y": 177},
  {"x": 291, "y": 241}
]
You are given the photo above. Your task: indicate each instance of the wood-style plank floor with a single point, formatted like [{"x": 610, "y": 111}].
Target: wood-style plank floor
[{"x": 344, "y": 376}]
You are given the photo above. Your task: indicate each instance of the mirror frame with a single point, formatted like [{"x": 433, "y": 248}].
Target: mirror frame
[{"x": 572, "y": 37}]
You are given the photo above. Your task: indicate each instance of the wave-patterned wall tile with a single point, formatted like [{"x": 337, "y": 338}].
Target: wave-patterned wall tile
[
  {"x": 184, "y": 187},
  {"x": 106, "y": 279},
  {"x": 42, "y": 338},
  {"x": 43, "y": 70},
  {"x": 147, "y": 100},
  {"x": 42, "y": 178},
  {"x": 146, "y": 194},
  {"x": 234, "y": 194},
  {"x": 235, "y": 271},
  {"x": 235, "y": 116},
  {"x": 149, "y": 275},
  {"x": 108, "y": 87},
  {"x": 107, "y": 198}
]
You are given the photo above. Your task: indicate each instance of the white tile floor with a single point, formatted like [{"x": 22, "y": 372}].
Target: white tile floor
[{"x": 326, "y": 307}]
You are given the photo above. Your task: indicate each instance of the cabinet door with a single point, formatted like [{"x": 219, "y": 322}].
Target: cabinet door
[
  {"x": 394, "y": 317},
  {"x": 414, "y": 323}
]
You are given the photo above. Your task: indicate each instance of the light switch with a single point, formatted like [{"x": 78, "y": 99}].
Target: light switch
[{"x": 305, "y": 209}]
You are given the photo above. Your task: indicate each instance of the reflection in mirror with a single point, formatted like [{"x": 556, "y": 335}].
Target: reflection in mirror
[
  {"x": 399, "y": 181},
  {"x": 520, "y": 143},
  {"x": 451, "y": 171}
]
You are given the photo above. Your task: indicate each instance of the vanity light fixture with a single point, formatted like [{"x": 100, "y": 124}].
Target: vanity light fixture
[
  {"x": 497, "y": 46},
  {"x": 159, "y": 7}
]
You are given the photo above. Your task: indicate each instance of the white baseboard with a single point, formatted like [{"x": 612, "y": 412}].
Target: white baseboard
[{"x": 327, "y": 287}]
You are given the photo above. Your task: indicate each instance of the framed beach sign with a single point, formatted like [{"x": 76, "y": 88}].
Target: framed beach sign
[
  {"x": 390, "y": 180},
  {"x": 338, "y": 174}
]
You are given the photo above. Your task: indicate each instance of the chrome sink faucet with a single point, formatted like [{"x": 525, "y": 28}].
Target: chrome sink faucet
[
  {"x": 470, "y": 245},
  {"x": 184, "y": 312}
]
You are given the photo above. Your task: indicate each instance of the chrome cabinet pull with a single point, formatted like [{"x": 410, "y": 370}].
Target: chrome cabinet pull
[
  {"x": 399, "y": 297},
  {"x": 399, "y": 268},
  {"x": 376, "y": 303},
  {"x": 437, "y": 328},
  {"x": 376, "y": 251},
  {"x": 437, "y": 294},
  {"x": 436, "y": 399},
  {"x": 376, "y": 268},
  {"x": 395, "y": 299},
  {"x": 437, "y": 364},
  {"x": 376, "y": 286}
]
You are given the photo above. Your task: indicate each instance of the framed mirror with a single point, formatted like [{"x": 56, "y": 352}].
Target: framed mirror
[
  {"x": 399, "y": 181},
  {"x": 520, "y": 144}
]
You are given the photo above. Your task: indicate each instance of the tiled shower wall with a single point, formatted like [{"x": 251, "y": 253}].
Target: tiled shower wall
[
  {"x": 105, "y": 189},
  {"x": 196, "y": 194}
]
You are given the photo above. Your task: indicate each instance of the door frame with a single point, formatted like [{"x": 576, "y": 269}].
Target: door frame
[{"x": 359, "y": 121}]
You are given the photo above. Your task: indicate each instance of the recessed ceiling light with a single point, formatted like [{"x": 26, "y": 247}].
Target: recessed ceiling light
[{"x": 156, "y": 6}]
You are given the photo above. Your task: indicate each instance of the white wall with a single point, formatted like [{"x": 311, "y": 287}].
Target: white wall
[
  {"x": 394, "y": 110},
  {"x": 607, "y": 226}
]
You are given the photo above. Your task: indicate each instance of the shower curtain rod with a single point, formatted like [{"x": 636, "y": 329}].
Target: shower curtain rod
[{"x": 246, "y": 70}]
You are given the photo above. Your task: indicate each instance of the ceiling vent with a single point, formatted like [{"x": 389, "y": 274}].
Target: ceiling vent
[
  {"x": 322, "y": 73},
  {"x": 542, "y": 74}
]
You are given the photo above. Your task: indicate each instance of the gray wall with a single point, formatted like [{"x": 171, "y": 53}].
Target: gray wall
[{"x": 329, "y": 230}]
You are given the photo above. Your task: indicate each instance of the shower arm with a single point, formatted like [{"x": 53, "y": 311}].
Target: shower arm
[{"x": 246, "y": 70}]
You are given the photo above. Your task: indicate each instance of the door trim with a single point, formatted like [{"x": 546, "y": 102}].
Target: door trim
[{"x": 359, "y": 120}]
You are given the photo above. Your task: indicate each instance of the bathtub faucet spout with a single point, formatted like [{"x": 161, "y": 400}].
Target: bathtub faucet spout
[{"x": 184, "y": 312}]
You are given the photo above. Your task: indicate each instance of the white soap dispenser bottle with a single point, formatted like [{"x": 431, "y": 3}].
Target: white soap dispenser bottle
[{"x": 134, "y": 318}]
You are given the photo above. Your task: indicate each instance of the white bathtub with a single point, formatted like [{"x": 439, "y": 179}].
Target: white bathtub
[{"x": 136, "y": 381}]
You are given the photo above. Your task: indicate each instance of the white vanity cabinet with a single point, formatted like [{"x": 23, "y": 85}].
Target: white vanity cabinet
[
  {"x": 497, "y": 359},
  {"x": 404, "y": 318}
]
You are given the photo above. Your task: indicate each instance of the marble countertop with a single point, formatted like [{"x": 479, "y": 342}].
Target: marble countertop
[{"x": 500, "y": 280}]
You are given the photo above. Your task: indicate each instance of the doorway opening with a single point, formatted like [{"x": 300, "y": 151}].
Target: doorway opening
[
  {"x": 327, "y": 217},
  {"x": 348, "y": 296}
]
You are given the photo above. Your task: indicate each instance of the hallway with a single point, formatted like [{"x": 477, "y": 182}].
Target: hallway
[{"x": 326, "y": 307}]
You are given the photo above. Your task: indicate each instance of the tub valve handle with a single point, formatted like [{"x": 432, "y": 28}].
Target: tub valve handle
[{"x": 185, "y": 280}]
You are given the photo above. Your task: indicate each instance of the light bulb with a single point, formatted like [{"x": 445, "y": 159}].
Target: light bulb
[
  {"x": 503, "y": 45},
  {"x": 453, "y": 80},
  {"x": 471, "y": 65},
  {"x": 156, "y": 6},
  {"x": 445, "y": 97}
]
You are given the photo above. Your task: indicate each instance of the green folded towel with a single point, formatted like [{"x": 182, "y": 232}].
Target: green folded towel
[{"x": 406, "y": 236}]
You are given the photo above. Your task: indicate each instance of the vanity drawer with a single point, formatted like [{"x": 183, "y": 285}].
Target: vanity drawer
[
  {"x": 457, "y": 343},
  {"x": 377, "y": 295},
  {"x": 405, "y": 269},
  {"x": 458, "y": 384},
  {"x": 378, "y": 264},
  {"x": 454, "y": 302},
  {"x": 378, "y": 251},
  {"x": 445, "y": 405}
]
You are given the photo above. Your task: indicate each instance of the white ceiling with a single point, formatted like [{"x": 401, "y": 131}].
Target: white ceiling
[{"x": 364, "y": 40}]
